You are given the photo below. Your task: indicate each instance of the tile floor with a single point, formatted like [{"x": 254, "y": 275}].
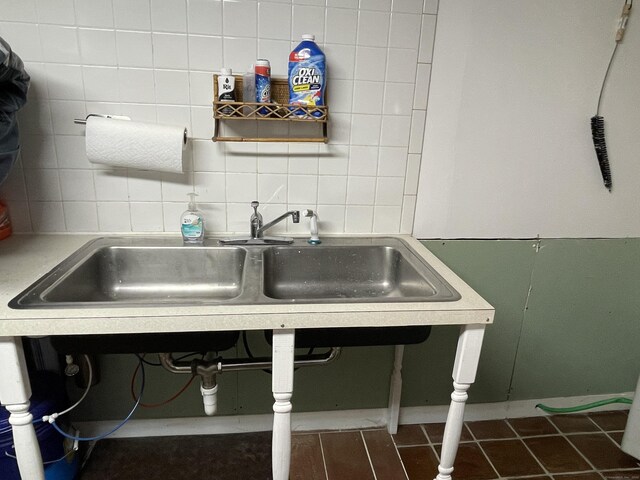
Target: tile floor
[{"x": 569, "y": 447}]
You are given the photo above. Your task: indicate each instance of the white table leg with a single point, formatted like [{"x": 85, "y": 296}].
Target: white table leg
[
  {"x": 395, "y": 391},
  {"x": 15, "y": 392},
  {"x": 464, "y": 374},
  {"x": 282, "y": 387}
]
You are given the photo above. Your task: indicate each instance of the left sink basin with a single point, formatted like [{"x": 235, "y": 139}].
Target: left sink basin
[
  {"x": 130, "y": 275},
  {"x": 132, "y": 272}
]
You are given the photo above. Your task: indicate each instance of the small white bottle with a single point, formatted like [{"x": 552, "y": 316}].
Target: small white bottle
[
  {"x": 226, "y": 89},
  {"x": 192, "y": 223}
]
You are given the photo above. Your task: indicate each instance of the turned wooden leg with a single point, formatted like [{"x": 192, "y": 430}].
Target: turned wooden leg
[
  {"x": 282, "y": 387},
  {"x": 15, "y": 392},
  {"x": 464, "y": 374}
]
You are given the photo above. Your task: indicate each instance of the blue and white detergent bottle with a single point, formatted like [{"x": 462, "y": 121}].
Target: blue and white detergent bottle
[{"x": 307, "y": 75}]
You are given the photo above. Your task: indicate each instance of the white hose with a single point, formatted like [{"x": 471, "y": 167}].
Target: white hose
[{"x": 51, "y": 418}]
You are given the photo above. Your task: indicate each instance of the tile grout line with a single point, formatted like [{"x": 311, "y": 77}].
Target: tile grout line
[
  {"x": 404, "y": 469},
  {"x": 366, "y": 449},
  {"x": 324, "y": 460},
  {"x": 535, "y": 457},
  {"x": 499, "y": 475},
  {"x": 563, "y": 435}
]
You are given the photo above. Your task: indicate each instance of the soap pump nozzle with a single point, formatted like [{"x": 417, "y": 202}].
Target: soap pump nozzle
[{"x": 192, "y": 201}]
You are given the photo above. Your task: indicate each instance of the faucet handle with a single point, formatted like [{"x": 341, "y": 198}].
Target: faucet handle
[
  {"x": 255, "y": 204},
  {"x": 295, "y": 216}
]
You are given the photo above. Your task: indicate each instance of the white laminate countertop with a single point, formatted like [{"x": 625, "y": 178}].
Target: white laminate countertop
[{"x": 25, "y": 258}]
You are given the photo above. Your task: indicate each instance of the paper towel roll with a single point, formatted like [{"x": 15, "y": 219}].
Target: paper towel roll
[{"x": 146, "y": 146}]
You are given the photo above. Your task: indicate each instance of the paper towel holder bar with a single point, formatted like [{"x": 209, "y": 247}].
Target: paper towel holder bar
[{"x": 80, "y": 121}]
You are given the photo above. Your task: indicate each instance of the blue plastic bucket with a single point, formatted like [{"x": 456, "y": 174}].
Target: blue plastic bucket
[{"x": 46, "y": 399}]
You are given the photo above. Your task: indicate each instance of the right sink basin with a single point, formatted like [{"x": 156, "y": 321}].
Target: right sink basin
[{"x": 351, "y": 273}]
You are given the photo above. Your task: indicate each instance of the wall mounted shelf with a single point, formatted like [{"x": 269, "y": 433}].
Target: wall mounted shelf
[{"x": 279, "y": 110}]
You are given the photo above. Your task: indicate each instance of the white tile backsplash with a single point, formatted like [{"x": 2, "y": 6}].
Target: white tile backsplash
[
  {"x": 341, "y": 26},
  {"x": 59, "y": 44},
  {"x": 114, "y": 217},
  {"x": 146, "y": 217},
  {"x": 136, "y": 85},
  {"x": 427, "y": 37},
  {"x": 64, "y": 82},
  {"x": 170, "y": 51},
  {"x": 373, "y": 28},
  {"x": 77, "y": 185},
  {"x": 153, "y": 60},
  {"x": 303, "y": 189},
  {"x": 111, "y": 185},
  {"x": 43, "y": 185},
  {"x": 307, "y": 19},
  {"x": 60, "y": 12},
  {"x": 134, "y": 49},
  {"x": 405, "y": 30},
  {"x": 25, "y": 38},
  {"x": 172, "y": 86},
  {"x": 169, "y": 16},
  {"x": 97, "y": 46},
  {"x": 80, "y": 216},
  {"x": 274, "y": 21},
  {"x": 47, "y": 216},
  {"x": 19, "y": 10},
  {"x": 144, "y": 186},
  {"x": 205, "y": 53},
  {"x": 332, "y": 190},
  {"x": 94, "y": 13},
  {"x": 239, "y": 18},
  {"x": 366, "y": 97},
  {"x": 205, "y": 17},
  {"x": 132, "y": 14}
]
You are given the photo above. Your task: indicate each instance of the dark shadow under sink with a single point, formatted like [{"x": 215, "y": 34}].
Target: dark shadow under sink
[
  {"x": 145, "y": 342},
  {"x": 357, "y": 336}
]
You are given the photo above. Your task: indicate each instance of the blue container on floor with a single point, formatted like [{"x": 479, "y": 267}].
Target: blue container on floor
[{"x": 50, "y": 441}]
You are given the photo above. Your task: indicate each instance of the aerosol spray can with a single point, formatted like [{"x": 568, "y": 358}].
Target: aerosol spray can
[{"x": 263, "y": 84}]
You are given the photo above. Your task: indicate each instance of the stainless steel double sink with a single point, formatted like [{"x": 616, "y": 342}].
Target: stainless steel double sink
[
  {"x": 151, "y": 272},
  {"x": 136, "y": 271}
]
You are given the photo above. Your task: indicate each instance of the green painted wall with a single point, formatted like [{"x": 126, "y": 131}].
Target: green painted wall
[{"x": 567, "y": 323}]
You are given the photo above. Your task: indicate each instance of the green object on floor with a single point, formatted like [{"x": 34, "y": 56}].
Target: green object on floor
[{"x": 580, "y": 408}]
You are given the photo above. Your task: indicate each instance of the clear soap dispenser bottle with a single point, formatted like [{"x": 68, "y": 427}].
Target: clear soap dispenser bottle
[{"x": 192, "y": 223}]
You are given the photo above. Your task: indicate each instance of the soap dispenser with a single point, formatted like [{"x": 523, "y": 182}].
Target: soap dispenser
[{"x": 192, "y": 223}]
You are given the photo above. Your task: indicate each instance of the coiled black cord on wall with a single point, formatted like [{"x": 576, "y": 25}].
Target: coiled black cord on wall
[{"x": 597, "y": 121}]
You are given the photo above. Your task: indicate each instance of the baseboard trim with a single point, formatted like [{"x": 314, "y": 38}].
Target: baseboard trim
[{"x": 334, "y": 420}]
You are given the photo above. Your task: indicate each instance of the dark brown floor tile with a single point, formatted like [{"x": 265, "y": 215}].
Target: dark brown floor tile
[
  {"x": 231, "y": 457},
  {"x": 471, "y": 464},
  {"x": 574, "y": 423},
  {"x": 419, "y": 462},
  {"x": 410, "y": 435},
  {"x": 617, "y": 437},
  {"x": 435, "y": 431},
  {"x": 511, "y": 458},
  {"x": 306, "y": 458},
  {"x": 383, "y": 454},
  {"x": 556, "y": 454},
  {"x": 579, "y": 476},
  {"x": 622, "y": 475},
  {"x": 610, "y": 421},
  {"x": 602, "y": 452},
  {"x": 528, "y": 427},
  {"x": 345, "y": 456},
  {"x": 491, "y": 429}
]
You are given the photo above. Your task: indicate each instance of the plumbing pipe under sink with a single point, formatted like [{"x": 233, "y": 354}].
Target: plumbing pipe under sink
[{"x": 209, "y": 367}]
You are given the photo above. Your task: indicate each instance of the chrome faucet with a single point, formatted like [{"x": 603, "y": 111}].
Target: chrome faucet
[{"x": 258, "y": 228}]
